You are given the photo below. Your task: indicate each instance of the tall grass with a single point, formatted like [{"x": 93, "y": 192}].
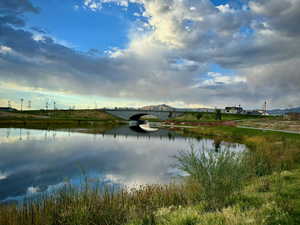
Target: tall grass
[
  {"x": 216, "y": 176},
  {"x": 89, "y": 205}
]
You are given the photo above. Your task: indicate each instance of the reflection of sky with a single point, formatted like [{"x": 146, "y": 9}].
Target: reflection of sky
[{"x": 34, "y": 161}]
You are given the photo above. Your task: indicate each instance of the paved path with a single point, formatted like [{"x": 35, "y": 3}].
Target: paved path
[{"x": 266, "y": 129}]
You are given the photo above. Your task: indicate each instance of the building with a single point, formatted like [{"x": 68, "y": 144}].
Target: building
[
  {"x": 7, "y": 109},
  {"x": 255, "y": 112},
  {"x": 234, "y": 110}
]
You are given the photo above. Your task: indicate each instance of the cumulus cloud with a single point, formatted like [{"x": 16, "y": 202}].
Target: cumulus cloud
[
  {"x": 32, "y": 190},
  {"x": 216, "y": 79},
  {"x": 3, "y": 175},
  {"x": 169, "y": 57}
]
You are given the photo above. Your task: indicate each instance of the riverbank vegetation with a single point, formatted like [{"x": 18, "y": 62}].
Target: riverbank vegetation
[
  {"x": 275, "y": 124},
  {"x": 211, "y": 117},
  {"x": 89, "y": 121},
  {"x": 260, "y": 187},
  {"x": 56, "y": 116}
]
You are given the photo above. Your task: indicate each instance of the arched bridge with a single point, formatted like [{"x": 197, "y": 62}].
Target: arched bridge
[{"x": 134, "y": 114}]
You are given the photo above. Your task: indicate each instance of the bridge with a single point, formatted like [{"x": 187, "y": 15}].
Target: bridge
[{"x": 135, "y": 114}]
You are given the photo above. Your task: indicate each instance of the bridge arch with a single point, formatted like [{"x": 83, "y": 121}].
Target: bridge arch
[
  {"x": 129, "y": 114},
  {"x": 138, "y": 116}
]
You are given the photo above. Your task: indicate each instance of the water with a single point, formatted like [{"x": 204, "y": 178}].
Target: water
[{"x": 35, "y": 161}]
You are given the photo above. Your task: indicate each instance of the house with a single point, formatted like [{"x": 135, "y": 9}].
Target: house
[
  {"x": 234, "y": 110},
  {"x": 7, "y": 109}
]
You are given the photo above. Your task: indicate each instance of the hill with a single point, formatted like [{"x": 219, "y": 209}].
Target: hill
[
  {"x": 162, "y": 107},
  {"x": 283, "y": 111}
]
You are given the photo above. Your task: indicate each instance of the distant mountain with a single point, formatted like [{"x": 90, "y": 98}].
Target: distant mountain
[
  {"x": 162, "y": 107},
  {"x": 283, "y": 111}
]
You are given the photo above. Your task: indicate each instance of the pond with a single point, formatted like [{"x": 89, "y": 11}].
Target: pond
[{"x": 37, "y": 161}]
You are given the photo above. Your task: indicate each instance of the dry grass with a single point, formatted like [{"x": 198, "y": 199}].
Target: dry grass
[
  {"x": 58, "y": 114},
  {"x": 9, "y": 115},
  {"x": 94, "y": 206},
  {"x": 273, "y": 124}
]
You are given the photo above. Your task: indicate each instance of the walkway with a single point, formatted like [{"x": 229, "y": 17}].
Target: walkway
[{"x": 266, "y": 129}]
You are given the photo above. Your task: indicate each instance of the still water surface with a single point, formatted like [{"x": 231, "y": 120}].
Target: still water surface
[{"x": 35, "y": 161}]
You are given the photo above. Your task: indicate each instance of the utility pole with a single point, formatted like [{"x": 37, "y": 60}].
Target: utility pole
[
  {"x": 29, "y": 104},
  {"x": 265, "y": 108},
  {"x": 22, "y": 100},
  {"x": 54, "y": 108}
]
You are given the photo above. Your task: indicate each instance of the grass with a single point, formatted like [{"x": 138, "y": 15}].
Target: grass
[
  {"x": 162, "y": 205},
  {"x": 218, "y": 176},
  {"x": 211, "y": 117},
  {"x": 94, "y": 206},
  {"x": 276, "y": 124},
  {"x": 94, "y": 121},
  {"x": 73, "y": 114},
  {"x": 56, "y": 116},
  {"x": 270, "y": 151}
]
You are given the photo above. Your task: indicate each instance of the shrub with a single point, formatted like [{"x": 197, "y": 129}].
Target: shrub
[{"x": 219, "y": 175}]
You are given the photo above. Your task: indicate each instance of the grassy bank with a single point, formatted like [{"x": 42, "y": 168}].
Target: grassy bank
[
  {"x": 94, "y": 120},
  {"x": 211, "y": 117},
  {"x": 56, "y": 116},
  {"x": 275, "y": 124},
  {"x": 83, "y": 114},
  {"x": 263, "y": 201},
  {"x": 274, "y": 150},
  {"x": 95, "y": 127}
]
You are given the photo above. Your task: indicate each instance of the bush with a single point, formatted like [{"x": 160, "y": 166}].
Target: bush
[{"x": 218, "y": 175}]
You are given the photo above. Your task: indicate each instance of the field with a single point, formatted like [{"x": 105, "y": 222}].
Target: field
[
  {"x": 59, "y": 114},
  {"x": 275, "y": 124},
  {"x": 57, "y": 118},
  {"x": 210, "y": 117}
]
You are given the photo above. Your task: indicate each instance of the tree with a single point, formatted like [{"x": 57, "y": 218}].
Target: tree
[
  {"x": 218, "y": 114},
  {"x": 199, "y": 115}
]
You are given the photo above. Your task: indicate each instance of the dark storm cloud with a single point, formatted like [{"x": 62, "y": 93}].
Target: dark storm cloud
[
  {"x": 13, "y": 20},
  {"x": 17, "y": 6},
  {"x": 39, "y": 30},
  {"x": 282, "y": 15}
]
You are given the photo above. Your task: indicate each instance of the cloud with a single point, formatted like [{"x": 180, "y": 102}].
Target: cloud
[
  {"x": 172, "y": 45},
  {"x": 3, "y": 176},
  {"x": 216, "y": 79},
  {"x": 281, "y": 15},
  {"x": 32, "y": 190},
  {"x": 17, "y": 6}
]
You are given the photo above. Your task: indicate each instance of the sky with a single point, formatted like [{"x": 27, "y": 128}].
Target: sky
[{"x": 131, "y": 53}]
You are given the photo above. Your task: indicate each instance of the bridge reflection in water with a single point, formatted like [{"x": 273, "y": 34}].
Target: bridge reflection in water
[
  {"x": 139, "y": 132},
  {"x": 22, "y": 134}
]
